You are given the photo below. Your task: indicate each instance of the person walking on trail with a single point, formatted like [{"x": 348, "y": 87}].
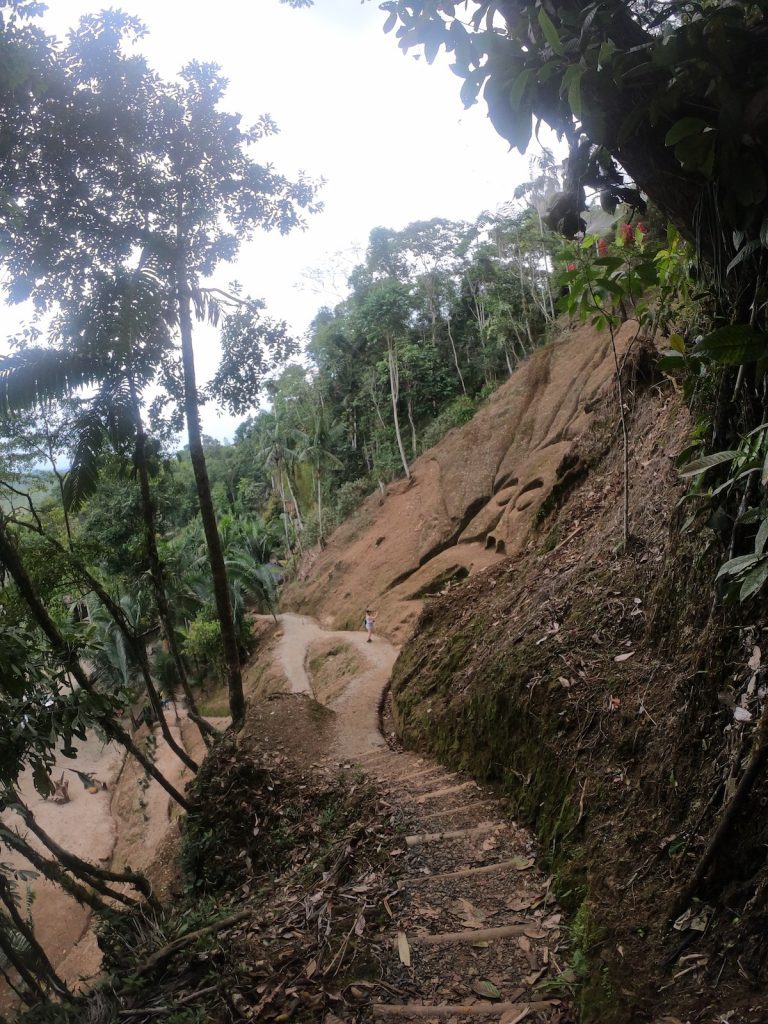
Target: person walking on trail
[{"x": 368, "y": 623}]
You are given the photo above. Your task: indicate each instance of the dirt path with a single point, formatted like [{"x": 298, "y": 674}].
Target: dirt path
[{"x": 475, "y": 932}]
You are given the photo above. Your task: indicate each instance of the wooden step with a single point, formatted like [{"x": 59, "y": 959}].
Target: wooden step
[
  {"x": 414, "y": 776},
  {"x": 458, "y": 1010},
  {"x": 459, "y": 833},
  {"x": 475, "y": 805},
  {"x": 469, "y": 935},
  {"x": 436, "y": 794},
  {"x": 486, "y": 869}
]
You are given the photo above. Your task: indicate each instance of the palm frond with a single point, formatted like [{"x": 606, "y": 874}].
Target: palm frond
[{"x": 37, "y": 376}]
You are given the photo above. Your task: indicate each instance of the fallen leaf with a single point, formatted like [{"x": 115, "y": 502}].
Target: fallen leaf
[
  {"x": 524, "y": 943},
  {"x": 624, "y": 657},
  {"x": 754, "y": 662},
  {"x": 519, "y": 904},
  {"x": 359, "y": 925},
  {"x": 311, "y": 968},
  {"x": 486, "y": 989},
  {"x": 535, "y": 933},
  {"x": 403, "y": 949},
  {"x": 742, "y": 714},
  {"x": 514, "y": 1017}
]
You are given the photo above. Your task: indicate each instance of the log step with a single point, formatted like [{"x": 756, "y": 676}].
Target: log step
[
  {"x": 470, "y": 935},
  {"x": 457, "y": 1010},
  {"x": 459, "y": 833},
  {"x": 448, "y": 791},
  {"x": 474, "y": 805},
  {"x": 486, "y": 869}
]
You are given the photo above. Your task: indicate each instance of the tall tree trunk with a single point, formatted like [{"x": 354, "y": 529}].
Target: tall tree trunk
[
  {"x": 9, "y": 557},
  {"x": 456, "y": 357},
  {"x": 414, "y": 439},
  {"x": 207, "y": 511},
  {"x": 155, "y": 566},
  {"x": 394, "y": 388},
  {"x": 299, "y": 522},
  {"x": 320, "y": 537}
]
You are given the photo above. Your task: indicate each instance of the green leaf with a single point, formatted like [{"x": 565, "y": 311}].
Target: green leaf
[
  {"x": 683, "y": 128},
  {"x": 761, "y": 538},
  {"x": 676, "y": 342},
  {"x": 572, "y": 83},
  {"x": 707, "y": 462},
  {"x": 754, "y": 580},
  {"x": 671, "y": 361},
  {"x": 520, "y": 84},
  {"x": 697, "y": 153},
  {"x": 607, "y": 50},
  {"x": 733, "y": 346},
  {"x": 550, "y": 32},
  {"x": 737, "y": 566}
]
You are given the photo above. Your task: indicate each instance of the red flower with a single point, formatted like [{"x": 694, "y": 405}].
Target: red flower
[
  {"x": 626, "y": 233},
  {"x": 602, "y": 247},
  {"x": 642, "y": 229},
  {"x": 570, "y": 266}
]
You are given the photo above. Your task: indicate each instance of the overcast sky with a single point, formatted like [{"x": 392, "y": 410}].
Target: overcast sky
[{"x": 387, "y": 132}]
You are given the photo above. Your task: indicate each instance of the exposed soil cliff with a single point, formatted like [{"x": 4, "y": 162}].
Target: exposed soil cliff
[
  {"x": 594, "y": 685},
  {"x": 473, "y": 497}
]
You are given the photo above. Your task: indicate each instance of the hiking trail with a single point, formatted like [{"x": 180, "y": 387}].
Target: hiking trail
[{"x": 474, "y": 926}]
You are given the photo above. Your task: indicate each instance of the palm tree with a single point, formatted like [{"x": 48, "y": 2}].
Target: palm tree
[{"x": 319, "y": 441}]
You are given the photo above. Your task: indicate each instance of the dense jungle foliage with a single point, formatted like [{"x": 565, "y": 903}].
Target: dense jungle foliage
[{"x": 128, "y": 565}]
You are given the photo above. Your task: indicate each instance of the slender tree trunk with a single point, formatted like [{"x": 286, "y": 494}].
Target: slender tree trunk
[
  {"x": 9, "y": 557},
  {"x": 155, "y": 566},
  {"x": 456, "y": 357},
  {"x": 394, "y": 388},
  {"x": 414, "y": 439},
  {"x": 47, "y": 970},
  {"x": 53, "y": 872},
  {"x": 207, "y": 511},
  {"x": 299, "y": 522},
  {"x": 320, "y": 537},
  {"x": 79, "y": 867}
]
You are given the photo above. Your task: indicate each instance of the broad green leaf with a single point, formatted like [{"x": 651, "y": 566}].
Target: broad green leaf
[
  {"x": 607, "y": 50},
  {"x": 683, "y": 128},
  {"x": 737, "y": 566},
  {"x": 572, "y": 82},
  {"x": 671, "y": 361},
  {"x": 697, "y": 153},
  {"x": 761, "y": 538},
  {"x": 734, "y": 345},
  {"x": 518, "y": 89},
  {"x": 550, "y": 32},
  {"x": 754, "y": 580},
  {"x": 677, "y": 342},
  {"x": 707, "y": 462}
]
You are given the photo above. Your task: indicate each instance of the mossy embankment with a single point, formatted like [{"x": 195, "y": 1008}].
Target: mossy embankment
[{"x": 587, "y": 681}]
